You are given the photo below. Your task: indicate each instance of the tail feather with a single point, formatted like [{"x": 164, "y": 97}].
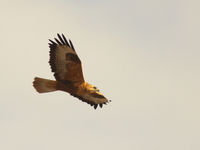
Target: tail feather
[{"x": 44, "y": 85}]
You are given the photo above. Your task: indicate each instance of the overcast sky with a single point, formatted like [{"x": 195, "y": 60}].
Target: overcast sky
[{"x": 144, "y": 55}]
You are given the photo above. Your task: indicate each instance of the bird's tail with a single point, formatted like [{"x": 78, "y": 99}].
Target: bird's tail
[{"x": 44, "y": 85}]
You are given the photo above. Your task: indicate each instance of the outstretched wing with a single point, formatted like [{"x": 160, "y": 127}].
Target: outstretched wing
[
  {"x": 94, "y": 99},
  {"x": 64, "y": 61}
]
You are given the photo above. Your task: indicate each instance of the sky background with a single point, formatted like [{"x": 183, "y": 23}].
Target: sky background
[{"x": 144, "y": 55}]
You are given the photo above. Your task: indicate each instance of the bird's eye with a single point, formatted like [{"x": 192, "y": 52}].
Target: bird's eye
[{"x": 96, "y": 89}]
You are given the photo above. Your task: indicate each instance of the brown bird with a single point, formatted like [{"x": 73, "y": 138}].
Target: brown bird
[{"x": 67, "y": 69}]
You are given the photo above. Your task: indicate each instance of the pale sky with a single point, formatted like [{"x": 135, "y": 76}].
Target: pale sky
[{"x": 144, "y": 55}]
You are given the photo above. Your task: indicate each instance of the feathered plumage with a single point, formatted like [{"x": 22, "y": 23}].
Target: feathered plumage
[{"x": 67, "y": 69}]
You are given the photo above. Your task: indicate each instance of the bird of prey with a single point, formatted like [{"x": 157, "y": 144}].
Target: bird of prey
[{"x": 67, "y": 69}]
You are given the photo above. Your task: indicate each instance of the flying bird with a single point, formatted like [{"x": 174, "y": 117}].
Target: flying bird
[{"x": 67, "y": 69}]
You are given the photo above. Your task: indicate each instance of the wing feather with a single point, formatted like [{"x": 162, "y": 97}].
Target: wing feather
[
  {"x": 93, "y": 99},
  {"x": 60, "y": 38},
  {"x": 71, "y": 44},
  {"x": 64, "y": 61},
  {"x": 52, "y": 42},
  {"x": 58, "y": 41},
  {"x": 65, "y": 40}
]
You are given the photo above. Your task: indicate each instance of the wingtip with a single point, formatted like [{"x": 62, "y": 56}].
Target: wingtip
[
  {"x": 95, "y": 106},
  {"x": 71, "y": 44},
  {"x": 65, "y": 40},
  {"x": 101, "y": 105},
  {"x": 62, "y": 35}
]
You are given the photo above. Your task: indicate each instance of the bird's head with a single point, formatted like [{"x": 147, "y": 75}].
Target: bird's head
[{"x": 95, "y": 89}]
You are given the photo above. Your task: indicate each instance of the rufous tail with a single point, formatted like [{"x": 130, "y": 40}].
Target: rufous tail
[{"x": 44, "y": 85}]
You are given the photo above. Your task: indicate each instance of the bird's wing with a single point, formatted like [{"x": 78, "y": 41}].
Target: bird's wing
[
  {"x": 94, "y": 99},
  {"x": 64, "y": 61}
]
